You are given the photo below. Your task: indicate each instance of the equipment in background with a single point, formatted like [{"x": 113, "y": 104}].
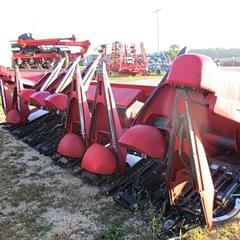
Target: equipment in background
[
  {"x": 158, "y": 62},
  {"x": 30, "y": 53},
  {"x": 127, "y": 59}
]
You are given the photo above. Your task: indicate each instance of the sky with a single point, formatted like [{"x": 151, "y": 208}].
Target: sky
[{"x": 192, "y": 23}]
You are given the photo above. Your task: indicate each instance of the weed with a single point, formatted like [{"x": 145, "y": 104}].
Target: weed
[
  {"x": 33, "y": 227},
  {"x": 196, "y": 234},
  {"x": 28, "y": 193},
  {"x": 113, "y": 232},
  {"x": 156, "y": 225}
]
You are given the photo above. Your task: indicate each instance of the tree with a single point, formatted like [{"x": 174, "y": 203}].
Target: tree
[{"x": 173, "y": 51}]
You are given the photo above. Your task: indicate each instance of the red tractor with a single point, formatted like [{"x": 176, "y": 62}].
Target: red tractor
[{"x": 30, "y": 53}]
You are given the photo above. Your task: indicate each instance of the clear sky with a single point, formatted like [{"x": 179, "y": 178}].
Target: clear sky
[{"x": 195, "y": 23}]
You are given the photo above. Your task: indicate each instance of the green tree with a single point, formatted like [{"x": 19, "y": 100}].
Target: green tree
[{"x": 173, "y": 51}]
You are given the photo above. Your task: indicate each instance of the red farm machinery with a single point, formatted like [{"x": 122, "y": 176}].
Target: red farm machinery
[
  {"x": 174, "y": 146},
  {"x": 30, "y": 53},
  {"x": 127, "y": 59}
]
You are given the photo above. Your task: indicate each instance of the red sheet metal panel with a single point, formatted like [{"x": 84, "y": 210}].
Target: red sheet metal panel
[
  {"x": 26, "y": 93},
  {"x": 124, "y": 97},
  {"x": 38, "y": 98},
  {"x": 200, "y": 168},
  {"x": 145, "y": 139},
  {"x": 13, "y": 117},
  {"x": 194, "y": 71},
  {"x": 57, "y": 101},
  {"x": 71, "y": 145},
  {"x": 99, "y": 160}
]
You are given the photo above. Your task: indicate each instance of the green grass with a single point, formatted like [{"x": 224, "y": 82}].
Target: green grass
[
  {"x": 113, "y": 232},
  {"x": 129, "y": 78},
  {"x": 12, "y": 170},
  {"x": 28, "y": 193},
  {"x": 25, "y": 225},
  {"x": 229, "y": 231}
]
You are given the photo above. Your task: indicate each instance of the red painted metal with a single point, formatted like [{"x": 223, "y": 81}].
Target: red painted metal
[
  {"x": 17, "y": 97},
  {"x": 71, "y": 145},
  {"x": 5, "y": 74},
  {"x": 26, "y": 93},
  {"x": 13, "y": 117},
  {"x": 200, "y": 74},
  {"x": 201, "y": 105},
  {"x": 187, "y": 160},
  {"x": 59, "y": 84},
  {"x": 128, "y": 59},
  {"x": 60, "y": 100},
  {"x": 30, "y": 77},
  {"x": 17, "y": 105},
  {"x": 99, "y": 122},
  {"x": 33, "y": 78},
  {"x": 6, "y": 96},
  {"x": 52, "y": 56},
  {"x": 57, "y": 101},
  {"x": 54, "y": 42},
  {"x": 38, "y": 98},
  {"x": 200, "y": 122},
  {"x": 206, "y": 125},
  {"x": 81, "y": 117},
  {"x": 38, "y": 54},
  {"x": 124, "y": 97},
  {"x": 105, "y": 127},
  {"x": 202, "y": 179},
  {"x": 145, "y": 139},
  {"x": 99, "y": 160}
]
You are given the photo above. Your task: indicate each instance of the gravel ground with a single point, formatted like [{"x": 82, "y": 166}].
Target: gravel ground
[{"x": 39, "y": 200}]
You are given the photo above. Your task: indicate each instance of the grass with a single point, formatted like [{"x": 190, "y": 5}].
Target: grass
[
  {"x": 10, "y": 171},
  {"x": 130, "y": 78},
  {"x": 113, "y": 232},
  {"x": 31, "y": 222},
  {"x": 24, "y": 225},
  {"x": 13, "y": 170},
  {"x": 28, "y": 193},
  {"x": 72, "y": 200},
  {"x": 156, "y": 225},
  {"x": 229, "y": 231},
  {"x": 6, "y": 230}
]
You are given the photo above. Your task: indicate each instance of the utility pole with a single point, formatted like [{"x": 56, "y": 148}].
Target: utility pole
[{"x": 156, "y": 11}]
